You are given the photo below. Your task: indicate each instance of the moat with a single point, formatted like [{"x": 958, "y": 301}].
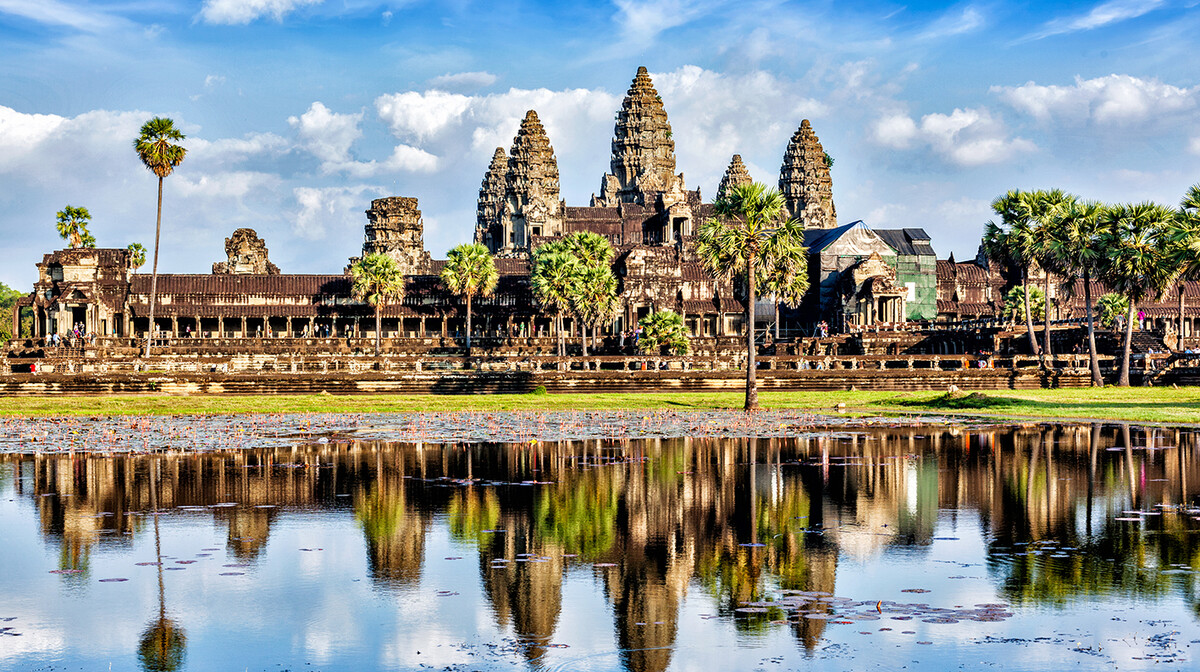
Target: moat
[{"x": 596, "y": 541}]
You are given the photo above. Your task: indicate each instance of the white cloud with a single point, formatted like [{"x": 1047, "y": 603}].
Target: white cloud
[
  {"x": 404, "y": 158},
  {"x": 954, "y": 23},
  {"x": 641, "y": 20},
  {"x": 57, "y": 13},
  {"x": 421, "y": 115},
  {"x": 213, "y": 80},
  {"x": 230, "y": 151},
  {"x": 1194, "y": 145},
  {"x": 327, "y": 135},
  {"x": 320, "y": 208},
  {"x": 1114, "y": 99},
  {"x": 1099, "y": 16},
  {"x": 463, "y": 81},
  {"x": 966, "y": 137},
  {"x": 235, "y": 12},
  {"x": 223, "y": 186}
]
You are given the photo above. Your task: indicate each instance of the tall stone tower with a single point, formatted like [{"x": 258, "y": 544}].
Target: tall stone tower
[
  {"x": 643, "y": 152},
  {"x": 394, "y": 228},
  {"x": 804, "y": 180},
  {"x": 489, "y": 229},
  {"x": 531, "y": 202},
  {"x": 735, "y": 174}
]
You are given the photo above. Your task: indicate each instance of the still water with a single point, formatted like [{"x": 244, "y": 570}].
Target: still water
[{"x": 903, "y": 546}]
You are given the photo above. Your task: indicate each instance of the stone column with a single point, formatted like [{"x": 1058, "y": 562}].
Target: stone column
[
  {"x": 289, "y": 326},
  {"x": 243, "y": 334}
]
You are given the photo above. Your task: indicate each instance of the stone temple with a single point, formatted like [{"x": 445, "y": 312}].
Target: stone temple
[{"x": 859, "y": 277}]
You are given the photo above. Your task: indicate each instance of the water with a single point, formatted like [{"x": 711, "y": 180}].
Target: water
[{"x": 888, "y": 545}]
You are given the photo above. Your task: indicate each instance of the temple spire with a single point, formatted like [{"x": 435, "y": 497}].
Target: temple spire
[
  {"x": 531, "y": 199},
  {"x": 735, "y": 174},
  {"x": 488, "y": 228},
  {"x": 805, "y": 182},
  {"x": 643, "y": 151}
]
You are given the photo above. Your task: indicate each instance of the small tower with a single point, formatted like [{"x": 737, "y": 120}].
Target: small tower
[
  {"x": 805, "y": 182},
  {"x": 394, "y": 228},
  {"x": 735, "y": 174},
  {"x": 489, "y": 229},
  {"x": 531, "y": 198}
]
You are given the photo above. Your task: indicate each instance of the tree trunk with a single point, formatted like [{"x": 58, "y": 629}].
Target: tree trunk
[
  {"x": 378, "y": 327},
  {"x": 154, "y": 269},
  {"x": 1046, "y": 311},
  {"x": 777, "y": 317},
  {"x": 1123, "y": 380},
  {"x": 1179, "y": 342},
  {"x": 468, "y": 322},
  {"x": 751, "y": 378},
  {"x": 583, "y": 338},
  {"x": 1033, "y": 346},
  {"x": 1097, "y": 380}
]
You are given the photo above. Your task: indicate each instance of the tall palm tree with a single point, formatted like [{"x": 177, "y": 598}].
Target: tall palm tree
[
  {"x": 1045, "y": 209},
  {"x": 1184, "y": 245},
  {"x": 1076, "y": 251},
  {"x": 72, "y": 224},
  {"x": 749, "y": 229},
  {"x": 378, "y": 280},
  {"x": 137, "y": 255},
  {"x": 594, "y": 298},
  {"x": 786, "y": 280},
  {"x": 1135, "y": 265},
  {"x": 553, "y": 280},
  {"x": 1011, "y": 243},
  {"x": 155, "y": 149},
  {"x": 591, "y": 249},
  {"x": 470, "y": 271}
]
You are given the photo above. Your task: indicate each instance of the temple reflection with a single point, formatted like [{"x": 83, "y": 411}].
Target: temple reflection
[{"x": 654, "y": 520}]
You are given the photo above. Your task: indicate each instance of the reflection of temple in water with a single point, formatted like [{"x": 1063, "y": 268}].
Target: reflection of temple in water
[{"x": 737, "y": 520}]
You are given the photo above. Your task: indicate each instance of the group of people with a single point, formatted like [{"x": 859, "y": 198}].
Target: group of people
[
  {"x": 78, "y": 335},
  {"x": 631, "y": 337}
]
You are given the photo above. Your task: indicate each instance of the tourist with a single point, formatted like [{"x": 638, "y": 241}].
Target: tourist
[{"x": 1141, "y": 320}]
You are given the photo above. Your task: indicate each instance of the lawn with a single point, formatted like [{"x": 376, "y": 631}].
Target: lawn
[{"x": 1163, "y": 405}]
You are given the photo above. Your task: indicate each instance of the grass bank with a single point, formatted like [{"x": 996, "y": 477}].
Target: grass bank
[{"x": 1132, "y": 404}]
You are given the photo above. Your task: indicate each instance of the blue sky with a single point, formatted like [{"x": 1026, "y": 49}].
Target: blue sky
[{"x": 298, "y": 112}]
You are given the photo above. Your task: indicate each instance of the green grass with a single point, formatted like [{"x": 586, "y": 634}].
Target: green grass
[{"x": 1162, "y": 405}]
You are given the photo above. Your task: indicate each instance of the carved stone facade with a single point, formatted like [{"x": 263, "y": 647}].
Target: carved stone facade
[
  {"x": 531, "y": 203},
  {"x": 489, "y": 230},
  {"x": 643, "y": 151},
  {"x": 735, "y": 175},
  {"x": 805, "y": 182},
  {"x": 247, "y": 255},
  {"x": 394, "y": 228},
  {"x": 870, "y": 293}
]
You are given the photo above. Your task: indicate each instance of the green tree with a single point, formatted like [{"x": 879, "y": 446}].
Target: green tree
[
  {"x": 378, "y": 281},
  {"x": 154, "y": 146},
  {"x": 470, "y": 271},
  {"x": 553, "y": 280},
  {"x": 1183, "y": 250},
  {"x": 72, "y": 225},
  {"x": 1110, "y": 307},
  {"x": 1076, "y": 250},
  {"x": 1011, "y": 243},
  {"x": 1014, "y": 304},
  {"x": 137, "y": 255},
  {"x": 749, "y": 230},
  {"x": 786, "y": 280},
  {"x": 594, "y": 298},
  {"x": 663, "y": 330},
  {"x": 1135, "y": 265},
  {"x": 1046, "y": 208},
  {"x": 8, "y": 299}
]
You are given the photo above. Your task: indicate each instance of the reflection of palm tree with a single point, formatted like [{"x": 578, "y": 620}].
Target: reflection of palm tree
[
  {"x": 164, "y": 643},
  {"x": 395, "y": 536}
]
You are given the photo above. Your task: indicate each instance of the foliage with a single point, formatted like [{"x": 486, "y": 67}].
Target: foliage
[
  {"x": 378, "y": 280},
  {"x": 554, "y": 280},
  {"x": 1014, "y": 303},
  {"x": 595, "y": 296},
  {"x": 137, "y": 255},
  {"x": 470, "y": 271},
  {"x": 155, "y": 149},
  {"x": 8, "y": 298},
  {"x": 1110, "y": 307},
  {"x": 750, "y": 237},
  {"x": 663, "y": 330},
  {"x": 162, "y": 647},
  {"x": 828, "y": 160},
  {"x": 72, "y": 223}
]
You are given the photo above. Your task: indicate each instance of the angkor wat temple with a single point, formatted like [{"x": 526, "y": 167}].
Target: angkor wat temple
[{"x": 860, "y": 277}]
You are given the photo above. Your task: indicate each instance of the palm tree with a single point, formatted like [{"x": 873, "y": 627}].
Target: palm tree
[
  {"x": 137, "y": 255},
  {"x": 1135, "y": 265},
  {"x": 155, "y": 149},
  {"x": 553, "y": 280},
  {"x": 1011, "y": 243},
  {"x": 749, "y": 230},
  {"x": 72, "y": 225},
  {"x": 595, "y": 298},
  {"x": 1110, "y": 307},
  {"x": 1076, "y": 251},
  {"x": 661, "y": 330},
  {"x": 470, "y": 271},
  {"x": 1046, "y": 208},
  {"x": 787, "y": 280},
  {"x": 378, "y": 280},
  {"x": 1184, "y": 245}
]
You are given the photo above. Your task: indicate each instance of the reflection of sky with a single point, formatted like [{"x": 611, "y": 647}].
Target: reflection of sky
[{"x": 319, "y": 609}]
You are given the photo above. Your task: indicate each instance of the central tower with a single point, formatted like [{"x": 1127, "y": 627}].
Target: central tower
[{"x": 643, "y": 151}]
